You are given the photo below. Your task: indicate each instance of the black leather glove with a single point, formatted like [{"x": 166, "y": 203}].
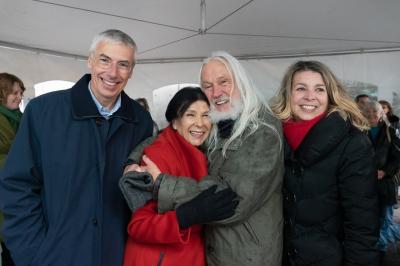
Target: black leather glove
[{"x": 206, "y": 207}]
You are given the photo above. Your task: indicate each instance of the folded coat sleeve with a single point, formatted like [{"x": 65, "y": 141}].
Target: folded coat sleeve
[
  {"x": 20, "y": 193},
  {"x": 253, "y": 171},
  {"x": 359, "y": 200},
  {"x": 136, "y": 187},
  {"x": 150, "y": 227}
]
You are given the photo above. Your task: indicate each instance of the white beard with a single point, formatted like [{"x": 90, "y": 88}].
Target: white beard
[{"x": 233, "y": 113}]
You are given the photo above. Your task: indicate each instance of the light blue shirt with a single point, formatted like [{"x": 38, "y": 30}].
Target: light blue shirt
[{"x": 105, "y": 112}]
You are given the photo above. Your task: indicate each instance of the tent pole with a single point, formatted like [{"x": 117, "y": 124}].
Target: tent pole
[{"x": 202, "y": 29}]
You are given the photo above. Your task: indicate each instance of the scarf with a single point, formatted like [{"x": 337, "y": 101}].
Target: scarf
[
  {"x": 374, "y": 131},
  {"x": 175, "y": 156},
  {"x": 13, "y": 116},
  {"x": 225, "y": 128},
  {"x": 295, "y": 132}
]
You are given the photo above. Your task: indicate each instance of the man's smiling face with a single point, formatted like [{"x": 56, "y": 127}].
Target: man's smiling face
[
  {"x": 111, "y": 67},
  {"x": 218, "y": 84}
]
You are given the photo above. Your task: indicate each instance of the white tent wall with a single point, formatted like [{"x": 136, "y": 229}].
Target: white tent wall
[
  {"x": 148, "y": 77},
  {"x": 379, "y": 69},
  {"x": 34, "y": 68}
]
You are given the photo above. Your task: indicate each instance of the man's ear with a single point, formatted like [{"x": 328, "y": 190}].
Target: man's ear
[{"x": 90, "y": 61}]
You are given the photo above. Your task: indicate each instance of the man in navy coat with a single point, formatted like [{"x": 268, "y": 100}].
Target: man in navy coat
[{"x": 59, "y": 188}]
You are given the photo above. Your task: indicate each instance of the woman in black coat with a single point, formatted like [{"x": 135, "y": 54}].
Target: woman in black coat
[
  {"x": 330, "y": 190},
  {"x": 388, "y": 110},
  {"x": 387, "y": 159}
]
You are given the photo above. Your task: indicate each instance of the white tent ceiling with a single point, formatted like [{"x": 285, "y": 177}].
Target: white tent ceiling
[{"x": 169, "y": 29}]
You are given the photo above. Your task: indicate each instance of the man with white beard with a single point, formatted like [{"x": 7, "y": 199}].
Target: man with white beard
[{"x": 245, "y": 153}]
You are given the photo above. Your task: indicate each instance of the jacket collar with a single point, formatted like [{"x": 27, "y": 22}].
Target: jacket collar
[
  {"x": 83, "y": 106},
  {"x": 322, "y": 138}
]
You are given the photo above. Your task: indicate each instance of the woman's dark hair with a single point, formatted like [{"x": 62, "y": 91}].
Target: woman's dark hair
[
  {"x": 143, "y": 102},
  {"x": 383, "y": 102},
  {"x": 182, "y": 100}
]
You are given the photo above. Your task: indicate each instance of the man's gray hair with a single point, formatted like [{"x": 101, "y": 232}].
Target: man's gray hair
[
  {"x": 255, "y": 106},
  {"x": 376, "y": 106},
  {"x": 113, "y": 36}
]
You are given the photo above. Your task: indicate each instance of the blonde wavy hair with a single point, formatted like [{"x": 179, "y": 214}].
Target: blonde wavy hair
[{"x": 338, "y": 99}]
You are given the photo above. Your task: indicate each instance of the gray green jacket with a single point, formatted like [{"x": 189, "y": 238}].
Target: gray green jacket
[
  {"x": 253, "y": 168},
  {"x": 7, "y": 135}
]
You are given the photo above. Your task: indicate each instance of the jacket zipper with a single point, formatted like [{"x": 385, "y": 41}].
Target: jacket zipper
[{"x": 160, "y": 259}]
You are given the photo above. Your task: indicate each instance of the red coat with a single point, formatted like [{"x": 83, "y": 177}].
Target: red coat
[{"x": 157, "y": 237}]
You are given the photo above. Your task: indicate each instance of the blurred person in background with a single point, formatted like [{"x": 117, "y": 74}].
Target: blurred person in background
[
  {"x": 11, "y": 91},
  {"x": 392, "y": 118},
  {"x": 143, "y": 102},
  {"x": 387, "y": 160},
  {"x": 361, "y": 100}
]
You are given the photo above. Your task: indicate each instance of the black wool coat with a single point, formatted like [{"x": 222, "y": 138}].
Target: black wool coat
[
  {"x": 387, "y": 159},
  {"x": 330, "y": 197}
]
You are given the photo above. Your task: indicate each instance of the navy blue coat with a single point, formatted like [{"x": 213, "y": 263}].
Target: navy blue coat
[{"x": 59, "y": 188}]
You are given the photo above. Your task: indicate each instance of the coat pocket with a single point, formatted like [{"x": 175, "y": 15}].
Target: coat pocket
[{"x": 252, "y": 233}]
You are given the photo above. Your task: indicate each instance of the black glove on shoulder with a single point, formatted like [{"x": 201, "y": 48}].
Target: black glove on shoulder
[{"x": 206, "y": 207}]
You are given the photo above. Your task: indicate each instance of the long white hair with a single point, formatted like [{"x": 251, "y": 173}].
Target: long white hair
[{"x": 254, "y": 106}]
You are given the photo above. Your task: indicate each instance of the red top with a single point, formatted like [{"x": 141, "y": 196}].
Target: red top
[
  {"x": 154, "y": 237},
  {"x": 296, "y": 131}
]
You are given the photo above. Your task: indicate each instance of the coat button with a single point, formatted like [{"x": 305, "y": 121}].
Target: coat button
[
  {"x": 210, "y": 249},
  {"x": 94, "y": 221},
  {"x": 98, "y": 121}
]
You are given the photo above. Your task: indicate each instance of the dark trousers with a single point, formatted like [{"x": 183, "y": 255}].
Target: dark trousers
[{"x": 6, "y": 259}]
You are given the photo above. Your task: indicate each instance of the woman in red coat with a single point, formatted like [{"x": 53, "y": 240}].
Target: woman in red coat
[{"x": 167, "y": 239}]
